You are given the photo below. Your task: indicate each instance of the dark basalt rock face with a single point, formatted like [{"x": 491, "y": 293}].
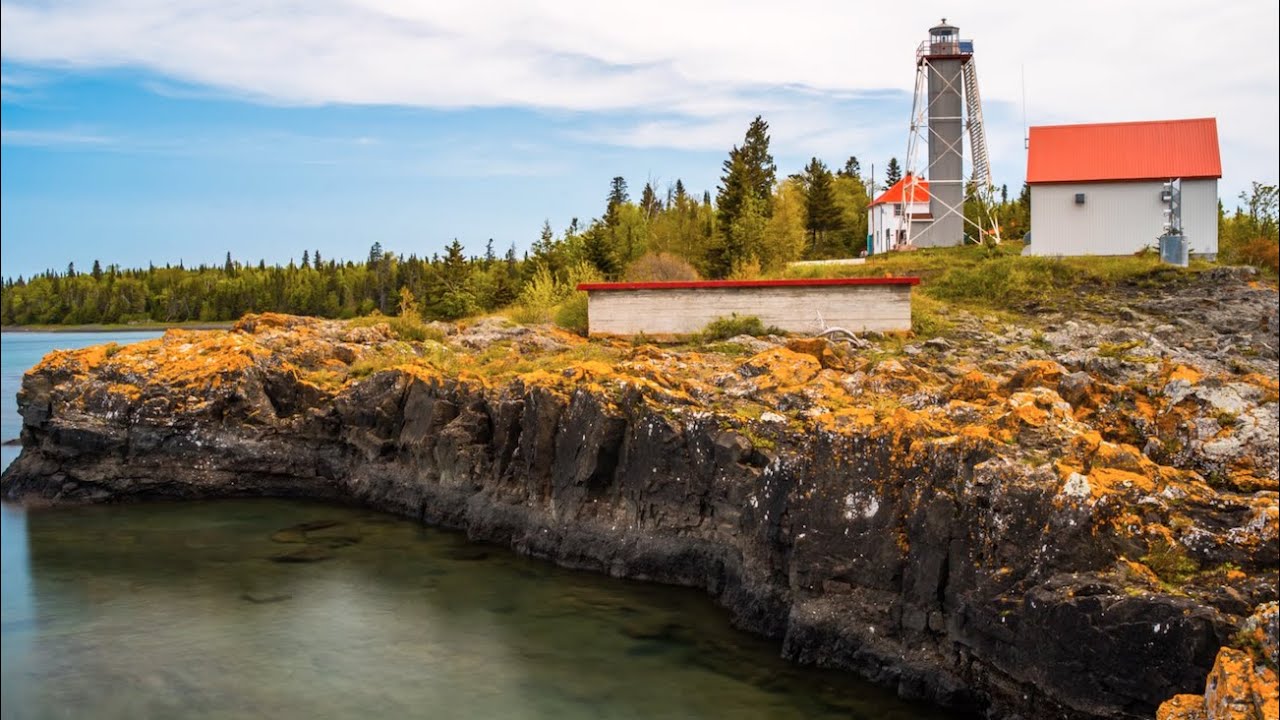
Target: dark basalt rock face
[{"x": 945, "y": 572}]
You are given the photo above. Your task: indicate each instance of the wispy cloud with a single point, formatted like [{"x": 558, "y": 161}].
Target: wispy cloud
[{"x": 54, "y": 138}]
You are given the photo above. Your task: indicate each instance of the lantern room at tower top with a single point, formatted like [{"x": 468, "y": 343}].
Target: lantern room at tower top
[{"x": 944, "y": 43}]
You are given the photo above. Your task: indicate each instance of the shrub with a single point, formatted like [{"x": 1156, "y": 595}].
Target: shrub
[
  {"x": 538, "y": 297},
  {"x": 723, "y": 328},
  {"x": 547, "y": 298},
  {"x": 1260, "y": 252},
  {"x": 572, "y": 314},
  {"x": 659, "y": 267}
]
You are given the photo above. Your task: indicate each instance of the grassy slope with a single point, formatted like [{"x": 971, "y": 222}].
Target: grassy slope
[{"x": 1000, "y": 280}]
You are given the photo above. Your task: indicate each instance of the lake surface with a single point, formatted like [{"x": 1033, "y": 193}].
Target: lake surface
[{"x": 285, "y": 609}]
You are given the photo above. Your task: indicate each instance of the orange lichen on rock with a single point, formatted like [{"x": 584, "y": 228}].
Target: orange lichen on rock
[
  {"x": 1186, "y": 374},
  {"x": 1037, "y": 373},
  {"x": 1182, "y": 707},
  {"x": 820, "y": 349},
  {"x": 974, "y": 386},
  {"x": 780, "y": 368}
]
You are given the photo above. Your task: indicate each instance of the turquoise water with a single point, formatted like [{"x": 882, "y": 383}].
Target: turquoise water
[{"x": 284, "y": 609}]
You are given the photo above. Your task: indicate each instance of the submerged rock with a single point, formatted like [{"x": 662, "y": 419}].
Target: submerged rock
[{"x": 306, "y": 554}]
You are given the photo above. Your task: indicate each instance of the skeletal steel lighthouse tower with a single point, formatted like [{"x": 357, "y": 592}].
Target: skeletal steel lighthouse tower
[{"x": 946, "y": 104}]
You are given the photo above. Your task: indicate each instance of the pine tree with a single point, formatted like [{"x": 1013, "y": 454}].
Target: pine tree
[
  {"x": 650, "y": 205},
  {"x": 852, "y": 168},
  {"x": 97, "y": 270},
  {"x": 306, "y": 260},
  {"x": 489, "y": 256},
  {"x": 892, "y": 173},
  {"x": 375, "y": 254},
  {"x": 617, "y": 198},
  {"x": 822, "y": 215},
  {"x": 749, "y": 173},
  {"x": 315, "y": 258},
  {"x": 456, "y": 298},
  {"x": 599, "y": 250},
  {"x": 544, "y": 251}
]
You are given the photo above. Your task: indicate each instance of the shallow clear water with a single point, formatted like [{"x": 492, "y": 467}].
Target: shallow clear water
[{"x": 284, "y": 609}]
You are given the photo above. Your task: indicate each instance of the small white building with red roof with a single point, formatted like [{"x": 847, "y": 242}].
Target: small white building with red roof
[
  {"x": 904, "y": 203},
  {"x": 1099, "y": 189}
]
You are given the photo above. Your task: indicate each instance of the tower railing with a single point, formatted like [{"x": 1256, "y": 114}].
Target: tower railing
[{"x": 929, "y": 49}]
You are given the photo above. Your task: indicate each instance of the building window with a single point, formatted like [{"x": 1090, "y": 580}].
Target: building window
[{"x": 897, "y": 210}]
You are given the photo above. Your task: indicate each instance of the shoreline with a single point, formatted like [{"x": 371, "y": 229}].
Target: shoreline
[{"x": 97, "y": 328}]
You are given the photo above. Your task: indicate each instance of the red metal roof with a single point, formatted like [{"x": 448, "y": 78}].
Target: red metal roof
[
  {"x": 1157, "y": 150},
  {"x": 917, "y": 192},
  {"x": 700, "y": 284}
]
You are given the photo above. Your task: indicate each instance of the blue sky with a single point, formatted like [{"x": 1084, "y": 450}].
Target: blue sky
[{"x": 140, "y": 131}]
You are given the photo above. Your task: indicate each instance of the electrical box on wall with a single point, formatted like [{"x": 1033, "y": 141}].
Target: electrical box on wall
[{"x": 1079, "y": 198}]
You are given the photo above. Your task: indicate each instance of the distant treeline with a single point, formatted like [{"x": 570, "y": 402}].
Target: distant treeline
[{"x": 756, "y": 225}]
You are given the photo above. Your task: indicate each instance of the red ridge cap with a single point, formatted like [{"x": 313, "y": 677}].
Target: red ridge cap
[{"x": 715, "y": 284}]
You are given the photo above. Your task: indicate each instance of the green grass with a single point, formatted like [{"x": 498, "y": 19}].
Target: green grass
[
  {"x": 409, "y": 328},
  {"x": 1000, "y": 279},
  {"x": 1169, "y": 561}
]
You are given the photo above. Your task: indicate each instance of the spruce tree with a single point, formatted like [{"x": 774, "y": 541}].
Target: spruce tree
[
  {"x": 749, "y": 172},
  {"x": 822, "y": 215},
  {"x": 852, "y": 168},
  {"x": 892, "y": 173},
  {"x": 650, "y": 205},
  {"x": 599, "y": 250},
  {"x": 617, "y": 198},
  {"x": 456, "y": 298}
]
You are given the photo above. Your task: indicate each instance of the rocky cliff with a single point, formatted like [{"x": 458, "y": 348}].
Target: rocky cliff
[{"x": 1067, "y": 520}]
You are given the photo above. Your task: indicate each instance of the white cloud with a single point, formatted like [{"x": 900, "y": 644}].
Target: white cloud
[{"x": 698, "y": 67}]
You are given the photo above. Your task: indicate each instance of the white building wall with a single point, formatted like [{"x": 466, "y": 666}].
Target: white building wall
[
  {"x": 855, "y": 308},
  {"x": 884, "y": 225},
  {"x": 1118, "y": 218},
  {"x": 1200, "y": 216}
]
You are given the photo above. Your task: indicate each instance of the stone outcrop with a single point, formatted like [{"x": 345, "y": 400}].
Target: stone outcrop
[
  {"x": 1053, "y": 525},
  {"x": 1242, "y": 684}
]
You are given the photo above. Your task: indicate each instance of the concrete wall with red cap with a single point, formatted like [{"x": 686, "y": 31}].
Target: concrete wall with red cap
[{"x": 685, "y": 308}]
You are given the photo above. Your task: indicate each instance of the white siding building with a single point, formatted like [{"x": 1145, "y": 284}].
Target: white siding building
[
  {"x": 906, "y": 201},
  {"x": 1096, "y": 189}
]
